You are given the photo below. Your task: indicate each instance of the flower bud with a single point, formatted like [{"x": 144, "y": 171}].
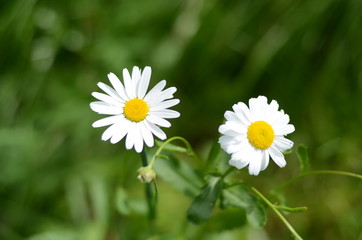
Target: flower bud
[{"x": 146, "y": 174}]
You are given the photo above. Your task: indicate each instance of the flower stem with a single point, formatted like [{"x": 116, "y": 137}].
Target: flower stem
[
  {"x": 190, "y": 151},
  {"x": 151, "y": 203},
  {"x": 227, "y": 172},
  {"x": 333, "y": 172},
  {"x": 291, "y": 229}
]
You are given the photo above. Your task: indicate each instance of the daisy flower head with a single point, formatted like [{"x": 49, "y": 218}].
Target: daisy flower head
[
  {"x": 133, "y": 112},
  {"x": 252, "y": 134}
]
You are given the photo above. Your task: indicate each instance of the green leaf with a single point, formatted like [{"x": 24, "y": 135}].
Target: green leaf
[
  {"x": 126, "y": 205},
  {"x": 257, "y": 216},
  {"x": 302, "y": 154},
  {"x": 122, "y": 201},
  {"x": 202, "y": 206},
  {"x": 172, "y": 147},
  {"x": 214, "y": 156},
  {"x": 239, "y": 196},
  {"x": 179, "y": 174},
  {"x": 227, "y": 219}
]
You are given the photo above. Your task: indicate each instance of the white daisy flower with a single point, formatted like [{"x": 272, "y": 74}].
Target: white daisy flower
[
  {"x": 253, "y": 134},
  {"x": 134, "y": 112}
]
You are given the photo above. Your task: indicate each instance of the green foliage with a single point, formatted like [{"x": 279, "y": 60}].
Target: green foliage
[
  {"x": 213, "y": 157},
  {"x": 127, "y": 205},
  {"x": 180, "y": 174},
  {"x": 58, "y": 180},
  {"x": 239, "y": 196},
  {"x": 202, "y": 206}
]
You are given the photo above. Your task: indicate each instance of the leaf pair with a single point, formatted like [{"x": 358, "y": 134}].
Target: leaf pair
[
  {"x": 202, "y": 206},
  {"x": 230, "y": 196}
]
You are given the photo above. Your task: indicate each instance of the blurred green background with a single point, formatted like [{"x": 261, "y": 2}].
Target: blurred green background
[{"x": 58, "y": 180}]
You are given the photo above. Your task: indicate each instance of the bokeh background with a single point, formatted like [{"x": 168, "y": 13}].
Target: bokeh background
[{"x": 58, "y": 180}]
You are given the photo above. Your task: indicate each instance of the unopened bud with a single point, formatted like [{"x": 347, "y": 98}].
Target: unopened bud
[{"x": 146, "y": 174}]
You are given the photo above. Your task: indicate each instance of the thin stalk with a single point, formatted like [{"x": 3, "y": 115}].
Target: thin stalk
[
  {"x": 291, "y": 229},
  {"x": 151, "y": 204},
  {"x": 227, "y": 172},
  {"x": 333, "y": 172},
  {"x": 190, "y": 151}
]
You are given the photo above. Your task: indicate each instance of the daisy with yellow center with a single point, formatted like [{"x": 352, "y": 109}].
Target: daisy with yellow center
[
  {"x": 134, "y": 113},
  {"x": 252, "y": 134}
]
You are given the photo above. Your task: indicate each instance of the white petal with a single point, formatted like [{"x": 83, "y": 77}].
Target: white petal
[
  {"x": 136, "y": 76},
  {"x": 155, "y": 130},
  {"x": 130, "y": 139},
  {"x": 166, "y": 94},
  {"x": 257, "y": 107},
  {"x": 166, "y": 113},
  {"x": 272, "y": 116},
  {"x": 245, "y": 153},
  {"x": 239, "y": 146},
  {"x": 230, "y": 132},
  {"x": 111, "y": 92},
  {"x": 146, "y": 135},
  {"x": 232, "y": 139},
  {"x": 118, "y": 86},
  {"x": 128, "y": 84},
  {"x": 284, "y": 130},
  {"x": 274, "y": 105},
  {"x": 158, "y": 121},
  {"x": 105, "y": 98},
  {"x": 108, "y": 133},
  {"x": 144, "y": 82},
  {"x": 242, "y": 112},
  {"x": 282, "y": 144},
  {"x": 156, "y": 90},
  {"x": 107, "y": 121},
  {"x": 165, "y": 104},
  {"x": 232, "y": 148},
  {"x": 121, "y": 129},
  {"x": 224, "y": 128},
  {"x": 104, "y": 108},
  {"x": 281, "y": 120},
  {"x": 231, "y": 116},
  {"x": 138, "y": 145},
  {"x": 277, "y": 156},
  {"x": 264, "y": 160},
  {"x": 232, "y": 126},
  {"x": 226, "y": 140},
  {"x": 255, "y": 162},
  {"x": 239, "y": 164}
]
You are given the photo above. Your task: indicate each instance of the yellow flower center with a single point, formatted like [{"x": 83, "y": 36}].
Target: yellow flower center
[
  {"x": 136, "y": 110},
  {"x": 260, "y": 134}
]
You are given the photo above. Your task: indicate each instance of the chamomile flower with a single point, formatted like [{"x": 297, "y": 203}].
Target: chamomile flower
[
  {"x": 134, "y": 113},
  {"x": 252, "y": 134}
]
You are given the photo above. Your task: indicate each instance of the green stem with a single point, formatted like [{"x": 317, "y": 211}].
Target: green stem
[
  {"x": 293, "y": 180},
  {"x": 291, "y": 229},
  {"x": 148, "y": 191},
  {"x": 144, "y": 158},
  {"x": 227, "y": 172},
  {"x": 291, "y": 209},
  {"x": 190, "y": 151}
]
